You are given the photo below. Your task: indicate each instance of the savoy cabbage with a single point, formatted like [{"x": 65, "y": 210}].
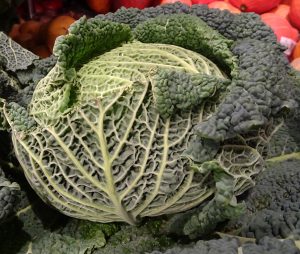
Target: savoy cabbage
[
  {"x": 133, "y": 123},
  {"x": 147, "y": 113},
  {"x": 117, "y": 138}
]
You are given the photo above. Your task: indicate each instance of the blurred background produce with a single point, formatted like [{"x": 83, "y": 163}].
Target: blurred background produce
[{"x": 35, "y": 24}]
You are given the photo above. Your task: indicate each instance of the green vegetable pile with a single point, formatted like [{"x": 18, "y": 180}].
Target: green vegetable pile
[{"x": 147, "y": 113}]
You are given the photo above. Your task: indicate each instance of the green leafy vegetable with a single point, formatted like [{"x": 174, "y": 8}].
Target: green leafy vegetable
[
  {"x": 228, "y": 245},
  {"x": 105, "y": 140},
  {"x": 150, "y": 113},
  {"x": 189, "y": 32},
  {"x": 15, "y": 57},
  {"x": 223, "y": 207}
]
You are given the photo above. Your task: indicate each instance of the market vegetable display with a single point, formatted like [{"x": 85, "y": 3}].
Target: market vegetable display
[
  {"x": 43, "y": 12},
  {"x": 105, "y": 142},
  {"x": 147, "y": 113}
]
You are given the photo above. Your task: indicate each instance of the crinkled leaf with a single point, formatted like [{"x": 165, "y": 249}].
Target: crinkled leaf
[{"x": 16, "y": 57}]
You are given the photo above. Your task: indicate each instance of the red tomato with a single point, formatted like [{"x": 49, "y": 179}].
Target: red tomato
[
  {"x": 202, "y": 1},
  {"x": 296, "y": 52},
  {"x": 15, "y": 32},
  {"x": 258, "y": 6},
  {"x": 288, "y": 2},
  {"x": 99, "y": 6},
  {"x": 58, "y": 26},
  {"x": 224, "y": 6},
  {"x": 296, "y": 64},
  {"x": 141, "y": 4},
  {"x": 281, "y": 10},
  {"x": 38, "y": 7},
  {"x": 42, "y": 51},
  {"x": 286, "y": 34},
  {"x": 54, "y": 5},
  {"x": 187, "y": 2},
  {"x": 294, "y": 15}
]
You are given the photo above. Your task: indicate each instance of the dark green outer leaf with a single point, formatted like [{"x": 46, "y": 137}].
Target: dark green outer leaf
[{"x": 16, "y": 57}]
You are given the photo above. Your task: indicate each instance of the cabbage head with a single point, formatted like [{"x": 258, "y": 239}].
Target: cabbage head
[{"x": 144, "y": 120}]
